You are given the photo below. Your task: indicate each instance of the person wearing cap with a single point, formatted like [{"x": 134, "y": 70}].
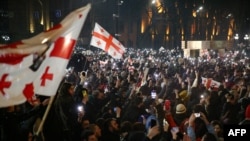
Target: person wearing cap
[{"x": 180, "y": 114}]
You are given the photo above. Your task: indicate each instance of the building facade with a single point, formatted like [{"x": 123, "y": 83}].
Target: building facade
[{"x": 136, "y": 23}]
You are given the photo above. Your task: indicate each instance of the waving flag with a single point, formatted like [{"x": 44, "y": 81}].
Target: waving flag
[
  {"x": 210, "y": 83},
  {"x": 103, "y": 40},
  {"x": 19, "y": 80}
]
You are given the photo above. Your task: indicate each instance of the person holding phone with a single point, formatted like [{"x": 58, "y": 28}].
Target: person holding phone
[
  {"x": 151, "y": 120},
  {"x": 62, "y": 123},
  {"x": 198, "y": 124},
  {"x": 153, "y": 94}
]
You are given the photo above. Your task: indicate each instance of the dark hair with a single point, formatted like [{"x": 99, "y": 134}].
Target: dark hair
[
  {"x": 64, "y": 89},
  {"x": 216, "y": 122},
  {"x": 100, "y": 122},
  {"x": 95, "y": 93},
  {"x": 230, "y": 96},
  {"x": 200, "y": 126},
  {"x": 126, "y": 126},
  {"x": 138, "y": 126},
  {"x": 107, "y": 123},
  {"x": 209, "y": 137},
  {"x": 85, "y": 135},
  {"x": 83, "y": 73},
  {"x": 199, "y": 108}
]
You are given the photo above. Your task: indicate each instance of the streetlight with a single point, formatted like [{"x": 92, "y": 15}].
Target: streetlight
[
  {"x": 42, "y": 12},
  {"x": 247, "y": 49},
  {"x": 6, "y": 38},
  {"x": 199, "y": 9},
  {"x": 246, "y": 37},
  {"x": 236, "y": 37},
  {"x": 199, "y": 22},
  {"x": 116, "y": 17}
]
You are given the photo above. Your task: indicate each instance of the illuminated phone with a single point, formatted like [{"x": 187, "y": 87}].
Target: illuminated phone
[
  {"x": 175, "y": 129},
  {"x": 197, "y": 115},
  {"x": 80, "y": 108},
  {"x": 153, "y": 94}
]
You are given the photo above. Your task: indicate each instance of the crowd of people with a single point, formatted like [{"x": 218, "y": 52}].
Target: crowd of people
[{"x": 149, "y": 95}]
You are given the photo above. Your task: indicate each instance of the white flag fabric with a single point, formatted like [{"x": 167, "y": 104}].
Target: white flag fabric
[
  {"x": 18, "y": 81},
  {"x": 103, "y": 40},
  {"x": 210, "y": 83}
]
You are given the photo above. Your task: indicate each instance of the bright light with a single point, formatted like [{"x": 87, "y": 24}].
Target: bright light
[
  {"x": 246, "y": 37},
  {"x": 120, "y": 3},
  {"x": 44, "y": 40},
  {"x": 236, "y": 37},
  {"x": 199, "y": 9},
  {"x": 6, "y": 37},
  {"x": 153, "y": 1}
]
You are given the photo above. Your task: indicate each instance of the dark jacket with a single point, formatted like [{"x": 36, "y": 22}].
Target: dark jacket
[{"x": 61, "y": 123}]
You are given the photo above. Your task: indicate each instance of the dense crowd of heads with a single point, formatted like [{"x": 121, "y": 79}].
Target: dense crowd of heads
[{"x": 102, "y": 98}]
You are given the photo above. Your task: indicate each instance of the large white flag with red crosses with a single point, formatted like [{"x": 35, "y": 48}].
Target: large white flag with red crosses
[
  {"x": 21, "y": 79},
  {"x": 103, "y": 40}
]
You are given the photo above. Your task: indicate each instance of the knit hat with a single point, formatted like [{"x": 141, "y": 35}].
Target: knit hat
[
  {"x": 247, "y": 113},
  {"x": 180, "y": 109}
]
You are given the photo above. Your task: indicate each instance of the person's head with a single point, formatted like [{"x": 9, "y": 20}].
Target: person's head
[
  {"x": 96, "y": 129},
  {"x": 209, "y": 137},
  {"x": 217, "y": 127},
  {"x": 100, "y": 122},
  {"x": 138, "y": 126},
  {"x": 200, "y": 126},
  {"x": 229, "y": 97},
  {"x": 85, "y": 123},
  {"x": 111, "y": 125},
  {"x": 83, "y": 74},
  {"x": 181, "y": 109},
  {"x": 126, "y": 126},
  {"x": 137, "y": 101},
  {"x": 184, "y": 85},
  {"x": 199, "y": 108},
  {"x": 98, "y": 94},
  {"x": 88, "y": 135},
  {"x": 67, "y": 88}
]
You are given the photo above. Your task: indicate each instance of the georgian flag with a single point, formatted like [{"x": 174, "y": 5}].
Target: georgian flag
[
  {"x": 103, "y": 40},
  {"x": 210, "y": 83},
  {"x": 20, "y": 79}
]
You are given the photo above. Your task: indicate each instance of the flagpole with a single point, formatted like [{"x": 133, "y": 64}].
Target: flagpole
[{"x": 36, "y": 135}]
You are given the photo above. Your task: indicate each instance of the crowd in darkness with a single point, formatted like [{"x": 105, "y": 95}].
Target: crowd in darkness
[{"x": 149, "y": 95}]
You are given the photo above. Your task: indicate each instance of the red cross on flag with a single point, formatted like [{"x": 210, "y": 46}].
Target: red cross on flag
[
  {"x": 210, "y": 83},
  {"x": 19, "y": 81},
  {"x": 103, "y": 40}
]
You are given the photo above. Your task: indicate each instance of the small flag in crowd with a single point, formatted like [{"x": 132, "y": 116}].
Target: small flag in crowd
[
  {"x": 21, "y": 77},
  {"x": 103, "y": 40},
  {"x": 210, "y": 83}
]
